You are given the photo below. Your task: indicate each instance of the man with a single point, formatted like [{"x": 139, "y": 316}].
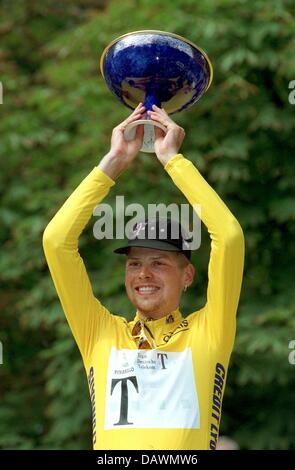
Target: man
[{"x": 156, "y": 382}]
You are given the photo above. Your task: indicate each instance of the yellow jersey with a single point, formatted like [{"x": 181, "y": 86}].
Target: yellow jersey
[{"x": 168, "y": 397}]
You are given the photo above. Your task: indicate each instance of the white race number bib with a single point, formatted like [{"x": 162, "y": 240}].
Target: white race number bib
[{"x": 151, "y": 389}]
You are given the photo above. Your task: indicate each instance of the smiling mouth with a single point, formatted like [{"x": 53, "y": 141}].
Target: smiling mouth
[{"x": 147, "y": 290}]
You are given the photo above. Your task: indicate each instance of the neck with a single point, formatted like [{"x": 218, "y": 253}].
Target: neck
[{"x": 146, "y": 316}]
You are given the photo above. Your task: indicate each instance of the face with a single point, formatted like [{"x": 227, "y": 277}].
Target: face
[{"x": 155, "y": 279}]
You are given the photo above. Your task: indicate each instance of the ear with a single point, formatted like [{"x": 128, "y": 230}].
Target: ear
[{"x": 189, "y": 274}]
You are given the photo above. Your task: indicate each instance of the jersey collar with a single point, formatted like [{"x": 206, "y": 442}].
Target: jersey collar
[{"x": 170, "y": 319}]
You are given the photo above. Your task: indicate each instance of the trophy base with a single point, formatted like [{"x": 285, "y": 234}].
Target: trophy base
[{"x": 148, "y": 143}]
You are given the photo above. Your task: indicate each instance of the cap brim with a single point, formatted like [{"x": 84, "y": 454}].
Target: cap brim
[{"x": 154, "y": 244}]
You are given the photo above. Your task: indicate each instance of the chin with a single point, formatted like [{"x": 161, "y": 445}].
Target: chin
[{"x": 147, "y": 306}]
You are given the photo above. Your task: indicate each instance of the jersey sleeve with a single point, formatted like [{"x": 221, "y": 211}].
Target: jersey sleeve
[
  {"x": 84, "y": 313},
  {"x": 226, "y": 262}
]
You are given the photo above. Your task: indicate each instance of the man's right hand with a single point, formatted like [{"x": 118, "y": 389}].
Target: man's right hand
[{"x": 122, "y": 151}]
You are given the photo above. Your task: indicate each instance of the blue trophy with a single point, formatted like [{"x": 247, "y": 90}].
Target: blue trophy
[{"x": 155, "y": 67}]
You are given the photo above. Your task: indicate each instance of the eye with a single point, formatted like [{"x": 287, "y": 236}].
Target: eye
[
  {"x": 133, "y": 263},
  {"x": 159, "y": 263}
]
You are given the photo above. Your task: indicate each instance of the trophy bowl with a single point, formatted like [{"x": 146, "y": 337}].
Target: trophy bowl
[{"x": 155, "y": 67}]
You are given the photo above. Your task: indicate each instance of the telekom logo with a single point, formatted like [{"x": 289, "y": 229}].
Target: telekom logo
[{"x": 140, "y": 226}]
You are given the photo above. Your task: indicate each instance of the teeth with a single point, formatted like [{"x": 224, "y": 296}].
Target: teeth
[{"x": 147, "y": 289}]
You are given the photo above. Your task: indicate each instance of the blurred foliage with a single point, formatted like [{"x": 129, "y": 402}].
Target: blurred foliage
[{"x": 56, "y": 121}]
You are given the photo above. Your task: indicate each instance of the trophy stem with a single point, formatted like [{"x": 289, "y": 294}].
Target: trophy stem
[
  {"x": 151, "y": 99},
  {"x": 148, "y": 143}
]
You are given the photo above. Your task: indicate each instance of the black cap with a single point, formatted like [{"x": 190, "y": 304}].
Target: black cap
[{"x": 160, "y": 234}]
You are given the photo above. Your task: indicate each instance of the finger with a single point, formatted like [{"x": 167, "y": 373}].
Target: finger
[
  {"x": 162, "y": 113},
  {"x": 139, "y": 132},
  {"x": 138, "y": 110},
  {"x": 166, "y": 121},
  {"x": 160, "y": 110},
  {"x": 138, "y": 107},
  {"x": 159, "y": 133},
  {"x": 131, "y": 118}
]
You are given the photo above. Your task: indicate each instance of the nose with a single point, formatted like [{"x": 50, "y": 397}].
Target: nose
[{"x": 145, "y": 272}]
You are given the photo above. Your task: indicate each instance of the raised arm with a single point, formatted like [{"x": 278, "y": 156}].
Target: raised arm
[
  {"x": 84, "y": 312},
  {"x": 227, "y": 242}
]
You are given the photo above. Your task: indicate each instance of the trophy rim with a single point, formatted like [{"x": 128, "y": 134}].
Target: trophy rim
[{"x": 164, "y": 33}]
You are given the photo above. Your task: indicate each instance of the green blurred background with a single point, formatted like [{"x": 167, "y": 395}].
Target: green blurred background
[{"x": 56, "y": 120}]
